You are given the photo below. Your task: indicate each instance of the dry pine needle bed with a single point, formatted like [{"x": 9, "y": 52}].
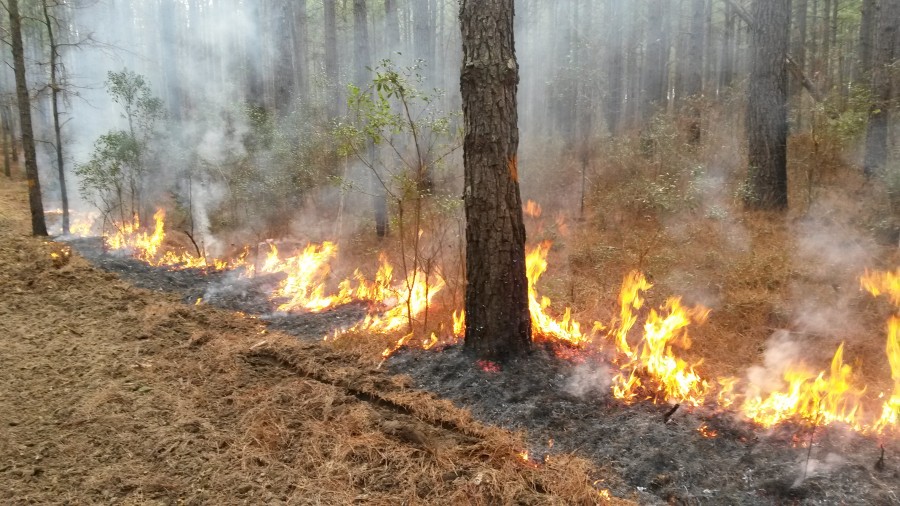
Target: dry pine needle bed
[{"x": 116, "y": 395}]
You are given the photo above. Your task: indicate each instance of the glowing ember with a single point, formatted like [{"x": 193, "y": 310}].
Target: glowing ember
[
  {"x": 488, "y": 366},
  {"x": 706, "y": 432}
]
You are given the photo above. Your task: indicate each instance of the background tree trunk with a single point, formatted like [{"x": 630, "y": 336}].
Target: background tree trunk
[
  {"x": 498, "y": 323},
  {"x": 615, "y": 68},
  {"x": 767, "y": 127},
  {"x": 38, "y": 224},
  {"x": 888, "y": 17},
  {"x": 55, "y": 89},
  {"x": 693, "y": 86},
  {"x": 331, "y": 58},
  {"x": 866, "y": 41},
  {"x": 301, "y": 51},
  {"x": 655, "y": 56}
]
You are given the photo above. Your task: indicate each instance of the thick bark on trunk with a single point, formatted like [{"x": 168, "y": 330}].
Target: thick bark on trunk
[
  {"x": 498, "y": 322},
  {"x": 38, "y": 224},
  {"x": 888, "y": 18},
  {"x": 767, "y": 127}
]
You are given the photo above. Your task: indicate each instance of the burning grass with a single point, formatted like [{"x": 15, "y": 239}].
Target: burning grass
[{"x": 649, "y": 357}]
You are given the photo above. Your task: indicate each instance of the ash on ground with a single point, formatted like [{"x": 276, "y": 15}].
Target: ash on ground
[{"x": 686, "y": 456}]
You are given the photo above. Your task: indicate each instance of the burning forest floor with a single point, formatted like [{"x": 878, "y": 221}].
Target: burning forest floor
[
  {"x": 654, "y": 453},
  {"x": 118, "y": 395}
]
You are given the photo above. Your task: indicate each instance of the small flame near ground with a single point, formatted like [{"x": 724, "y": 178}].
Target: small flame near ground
[{"x": 706, "y": 432}]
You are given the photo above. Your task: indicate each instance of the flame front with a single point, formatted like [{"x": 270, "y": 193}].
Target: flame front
[{"x": 645, "y": 354}]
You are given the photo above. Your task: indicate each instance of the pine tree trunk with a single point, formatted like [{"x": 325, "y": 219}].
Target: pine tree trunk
[
  {"x": 615, "y": 51},
  {"x": 498, "y": 322},
  {"x": 767, "y": 126},
  {"x": 888, "y": 17},
  {"x": 693, "y": 87},
  {"x": 168, "y": 44},
  {"x": 283, "y": 76},
  {"x": 57, "y": 127},
  {"x": 654, "y": 89},
  {"x": 726, "y": 65},
  {"x": 799, "y": 54},
  {"x": 301, "y": 51},
  {"x": 392, "y": 27},
  {"x": 866, "y": 40},
  {"x": 331, "y": 58},
  {"x": 38, "y": 224},
  {"x": 7, "y": 137}
]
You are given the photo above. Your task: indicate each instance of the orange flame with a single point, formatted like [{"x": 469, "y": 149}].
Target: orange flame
[
  {"x": 544, "y": 326},
  {"x": 674, "y": 379},
  {"x": 532, "y": 209},
  {"x": 820, "y": 398},
  {"x": 888, "y": 283}
]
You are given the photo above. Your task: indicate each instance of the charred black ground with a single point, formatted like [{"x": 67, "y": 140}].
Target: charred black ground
[{"x": 565, "y": 408}]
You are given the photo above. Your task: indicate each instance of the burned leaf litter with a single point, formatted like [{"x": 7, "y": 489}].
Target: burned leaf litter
[{"x": 664, "y": 453}]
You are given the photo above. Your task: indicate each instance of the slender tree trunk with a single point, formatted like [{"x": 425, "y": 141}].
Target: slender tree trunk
[
  {"x": 38, "y": 224},
  {"x": 57, "y": 127},
  {"x": 654, "y": 92},
  {"x": 168, "y": 44},
  {"x": 884, "y": 57},
  {"x": 7, "y": 136},
  {"x": 392, "y": 26},
  {"x": 362, "y": 78},
  {"x": 615, "y": 51},
  {"x": 331, "y": 58},
  {"x": 825, "y": 82},
  {"x": 694, "y": 80},
  {"x": 767, "y": 127},
  {"x": 866, "y": 40},
  {"x": 301, "y": 50},
  {"x": 799, "y": 54},
  {"x": 280, "y": 18},
  {"x": 726, "y": 67}
]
